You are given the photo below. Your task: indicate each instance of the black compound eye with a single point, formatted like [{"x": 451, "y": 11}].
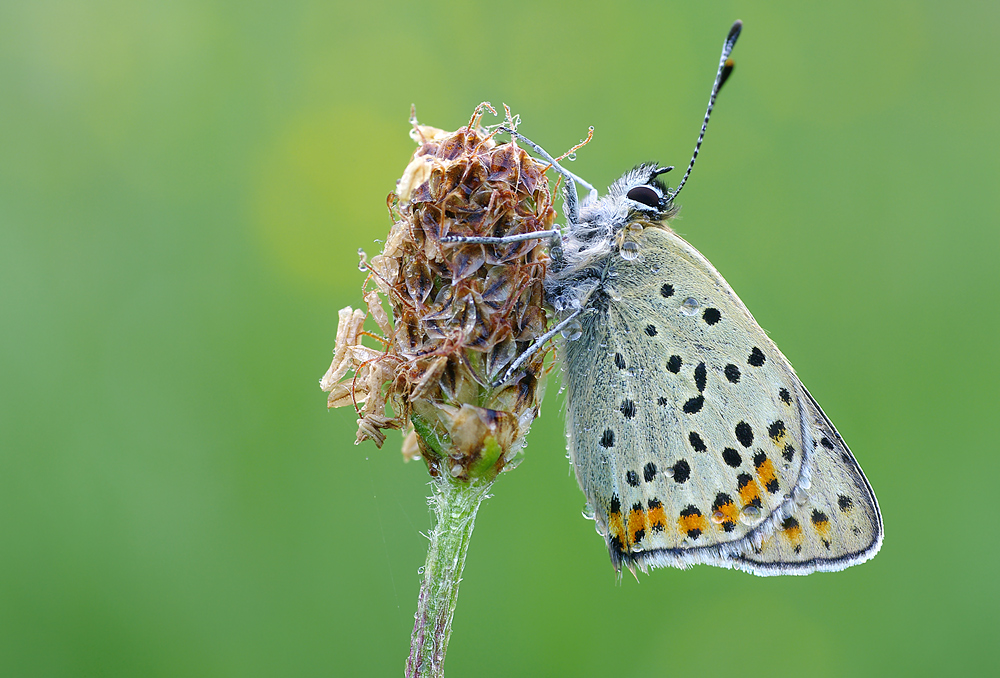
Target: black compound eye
[{"x": 644, "y": 194}]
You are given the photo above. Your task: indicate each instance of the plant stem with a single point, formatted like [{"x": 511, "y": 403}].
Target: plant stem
[{"x": 455, "y": 504}]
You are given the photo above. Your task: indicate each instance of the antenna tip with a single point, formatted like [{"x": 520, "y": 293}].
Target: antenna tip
[{"x": 734, "y": 33}]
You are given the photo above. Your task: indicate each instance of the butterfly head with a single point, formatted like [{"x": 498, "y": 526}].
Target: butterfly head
[{"x": 638, "y": 196}]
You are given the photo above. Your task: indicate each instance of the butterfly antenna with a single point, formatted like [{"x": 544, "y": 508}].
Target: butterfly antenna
[{"x": 725, "y": 70}]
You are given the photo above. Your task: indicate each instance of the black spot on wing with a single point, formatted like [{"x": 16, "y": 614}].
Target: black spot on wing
[
  {"x": 700, "y": 375},
  {"x": 682, "y": 471},
  {"x": 666, "y": 291},
  {"x": 649, "y": 472},
  {"x": 628, "y": 408},
  {"x": 732, "y": 373},
  {"x": 744, "y": 434},
  {"x": 694, "y": 405},
  {"x": 731, "y": 457},
  {"x": 711, "y": 315},
  {"x": 696, "y": 442},
  {"x": 776, "y": 430},
  {"x": 756, "y": 357},
  {"x": 674, "y": 364},
  {"x": 608, "y": 439}
]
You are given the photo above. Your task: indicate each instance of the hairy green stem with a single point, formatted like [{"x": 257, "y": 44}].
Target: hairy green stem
[{"x": 455, "y": 504}]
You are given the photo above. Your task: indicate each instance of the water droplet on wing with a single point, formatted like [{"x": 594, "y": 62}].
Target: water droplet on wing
[
  {"x": 750, "y": 515},
  {"x": 630, "y": 251},
  {"x": 572, "y": 331}
]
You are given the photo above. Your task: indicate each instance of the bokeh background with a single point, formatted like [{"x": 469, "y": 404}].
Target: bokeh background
[{"x": 183, "y": 190}]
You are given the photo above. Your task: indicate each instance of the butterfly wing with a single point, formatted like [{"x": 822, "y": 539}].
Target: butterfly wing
[
  {"x": 835, "y": 522},
  {"x": 691, "y": 436}
]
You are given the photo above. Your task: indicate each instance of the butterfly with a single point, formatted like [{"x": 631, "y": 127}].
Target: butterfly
[{"x": 691, "y": 436}]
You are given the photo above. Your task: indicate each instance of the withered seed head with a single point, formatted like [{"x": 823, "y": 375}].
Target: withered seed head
[{"x": 460, "y": 313}]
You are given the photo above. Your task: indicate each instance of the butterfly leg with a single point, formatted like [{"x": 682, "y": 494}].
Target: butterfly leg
[
  {"x": 572, "y": 199},
  {"x": 503, "y": 240},
  {"x": 536, "y": 347},
  {"x": 548, "y": 158}
]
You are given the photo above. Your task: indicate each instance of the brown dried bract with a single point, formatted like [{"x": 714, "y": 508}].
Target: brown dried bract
[{"x": 460, "y": 313}]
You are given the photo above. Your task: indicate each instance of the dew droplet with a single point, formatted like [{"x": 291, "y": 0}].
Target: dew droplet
[
  {"x": 614, "y": 293},
  {"x": 571, "y": 157},
  {"x": 588, "y": 511},
  {"x": 630, "y": 251},
  {"x": 635, "y": 228},
  {"x": 669, "y": 472},
  {"x": 601, "y": 528},
  {"x": 718, "y": 517},
  {"x": 690, "y": 306},
  {"x": 456, "y": 470},
  {"x": 750, "y": 515},
  {"x": 655, "y": 268},
  {"x": 805, "y": 483},
  {"x": 573, "y": 330},
  {"x": 420, "y": 570}
]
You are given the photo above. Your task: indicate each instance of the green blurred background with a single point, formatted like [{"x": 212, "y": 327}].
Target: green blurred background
[{"x": 183, "y": 190}]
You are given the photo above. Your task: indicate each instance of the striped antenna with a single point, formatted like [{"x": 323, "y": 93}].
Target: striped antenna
[{"x": 725, "y": 70}]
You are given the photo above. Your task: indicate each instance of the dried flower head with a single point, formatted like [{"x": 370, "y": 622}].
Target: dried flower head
[{"x": 460, "y": 313}]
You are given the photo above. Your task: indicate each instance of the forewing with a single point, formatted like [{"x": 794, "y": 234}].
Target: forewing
[{"x": 691, "y": 436}]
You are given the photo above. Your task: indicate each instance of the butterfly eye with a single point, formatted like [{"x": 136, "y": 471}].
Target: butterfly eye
[{"x": 644, "y": 194}]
